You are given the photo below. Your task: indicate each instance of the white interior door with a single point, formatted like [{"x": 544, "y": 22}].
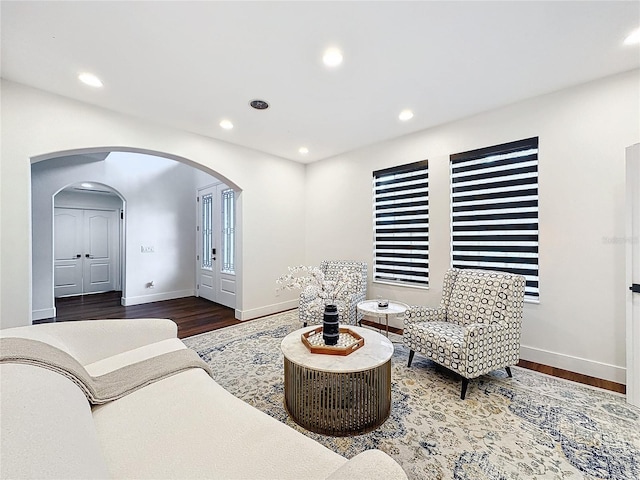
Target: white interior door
[
  {"x": 86, "y": 251},
  {"x": 633, "y": 274},
  {"x": 68, "y": 251},
  {"x": 216, "y": 279},
  {"x": 99, "y": 262}
]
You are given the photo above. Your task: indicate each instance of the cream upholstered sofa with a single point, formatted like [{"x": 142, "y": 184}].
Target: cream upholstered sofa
[
  {"x": 476, "y": 328},
  {"x": 184, "y": 426}
]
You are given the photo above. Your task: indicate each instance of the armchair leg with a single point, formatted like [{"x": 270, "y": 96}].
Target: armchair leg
[
  {"x": 411, "y": 354},
  {"x": 508, "y": 369},
  {"x": 465, "y": 384}
]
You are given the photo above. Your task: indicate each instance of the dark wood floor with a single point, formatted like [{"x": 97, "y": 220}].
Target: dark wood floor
[
  {"x": 573, "y": 376},
  {"x": 195, "y": 315}
]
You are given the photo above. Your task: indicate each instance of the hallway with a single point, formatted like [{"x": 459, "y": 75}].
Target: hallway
[{"x": 194, "y": 315}]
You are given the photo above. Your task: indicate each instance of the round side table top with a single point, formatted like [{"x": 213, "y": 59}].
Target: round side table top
[
  {"x": 376, "y": 351},
  {"x": 371, "y": 307}
]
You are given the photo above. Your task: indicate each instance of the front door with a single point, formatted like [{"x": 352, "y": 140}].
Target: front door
[
  {"x": 216, "y": 279},
  {"x": 207, "y": 250},
  {"x": 86, "y": 248}
]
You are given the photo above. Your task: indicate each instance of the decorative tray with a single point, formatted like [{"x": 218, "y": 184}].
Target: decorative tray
[{"x": 348, "y": 342}]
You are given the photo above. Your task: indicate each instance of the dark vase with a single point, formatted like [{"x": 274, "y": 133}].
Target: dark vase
[{"x": 330, "y": 326}]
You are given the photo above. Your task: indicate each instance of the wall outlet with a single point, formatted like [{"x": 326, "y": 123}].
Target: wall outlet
[{"x": 147, "y": 249}]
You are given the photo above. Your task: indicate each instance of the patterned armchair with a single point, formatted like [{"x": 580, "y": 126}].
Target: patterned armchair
[
  {"x": 476, "y": 328},
  {"x": 309, "y": 311}
]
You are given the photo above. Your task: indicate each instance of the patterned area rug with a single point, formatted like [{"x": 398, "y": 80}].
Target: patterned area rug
[{"x": 531, "y": 426}]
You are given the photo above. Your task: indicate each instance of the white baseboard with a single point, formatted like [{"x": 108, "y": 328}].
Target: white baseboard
[
  {"x": 156, "y": 297},
  {"x": 43, "y": 313},
  {"x": 574, "y": 364},
  {"x": 266, "y": 310}
]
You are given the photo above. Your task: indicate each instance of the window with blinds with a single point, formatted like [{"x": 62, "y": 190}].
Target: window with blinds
[
  {"x": 494, "y": 210},
  {"x": 401, "y": 224}
]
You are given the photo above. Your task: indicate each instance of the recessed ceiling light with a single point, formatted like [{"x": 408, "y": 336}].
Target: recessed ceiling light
[
  {"x": 303, "y": 150},
  {"x": 332, "y": 57},
  {"x": 86, "y": 185},
  {"x": 90, "y": 79},
  {"x": 633, "y": 38},
  {"x": 226, "y": 124},
  {"x": 405, "y": 115}
]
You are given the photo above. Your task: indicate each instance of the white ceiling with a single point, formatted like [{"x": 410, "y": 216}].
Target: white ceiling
[{"x": 191, "y": 64}]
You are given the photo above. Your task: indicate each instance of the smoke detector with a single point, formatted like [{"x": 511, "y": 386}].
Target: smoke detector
[{"x": 259, "y": 104}]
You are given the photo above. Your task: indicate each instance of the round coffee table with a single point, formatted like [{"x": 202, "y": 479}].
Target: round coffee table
[{"x": 334, "y": 394}]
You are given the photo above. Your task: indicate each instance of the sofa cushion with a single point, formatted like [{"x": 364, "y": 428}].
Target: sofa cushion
[
  {"x": 193, "y": 428},
  {"x": 47, "y": 427},
  {"x": 93, "y": 340},
  {"x": 139, "y": 354},
  {"x": 38, "y": 334}
]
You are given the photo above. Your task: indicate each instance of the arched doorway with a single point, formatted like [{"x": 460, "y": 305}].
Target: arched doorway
[
  {"x": 158, "y": 255},
  {"x": 88, "y": 239}
]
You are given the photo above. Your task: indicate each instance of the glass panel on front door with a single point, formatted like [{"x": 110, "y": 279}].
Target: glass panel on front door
[
  {"x": 207, "y": 230},
  {"x": 228, "y": 231}
]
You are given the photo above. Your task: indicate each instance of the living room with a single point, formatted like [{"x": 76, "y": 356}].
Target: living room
[
  {"x": 293, "y": 213},
  {"x": 583, "y": 132}
]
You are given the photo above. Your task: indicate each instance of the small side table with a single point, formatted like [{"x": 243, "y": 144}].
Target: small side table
[{"x": 370, "y": 307}]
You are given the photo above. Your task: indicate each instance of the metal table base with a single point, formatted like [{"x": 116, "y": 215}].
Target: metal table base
[{"x": 337, "y": 403}]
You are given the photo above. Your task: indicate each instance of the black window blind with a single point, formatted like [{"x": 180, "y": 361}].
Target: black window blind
[
  {"x": 401, "y": 224},
  {"x": 494, "y": 210}
]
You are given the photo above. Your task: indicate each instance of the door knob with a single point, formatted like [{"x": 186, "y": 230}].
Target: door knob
[
  {"x": 78, "y": 255},
  {"x": 635, "y": 288}
]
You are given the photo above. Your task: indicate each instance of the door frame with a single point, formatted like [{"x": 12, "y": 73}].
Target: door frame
[
  {"x": 224, "y": 284},
  {"x": 104, "y": 148},
  {"x": 121, "y": 233},
  {"x": 632, "y": 242},
  {"x": 210, "y": 189}
]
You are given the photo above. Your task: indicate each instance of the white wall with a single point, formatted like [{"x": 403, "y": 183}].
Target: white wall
[
  {"x": 583, "y": 131},
  {"x": 81, "y": 199},
  {"x": 579, "y": 324},
  {"x": 37, "y": 125},
  {"x": 160, "y": 212}
]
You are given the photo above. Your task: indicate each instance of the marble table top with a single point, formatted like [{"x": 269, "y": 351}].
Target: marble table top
[
  {"x": 376, "y": 351},
  {"x": 371, "y": 307}
]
